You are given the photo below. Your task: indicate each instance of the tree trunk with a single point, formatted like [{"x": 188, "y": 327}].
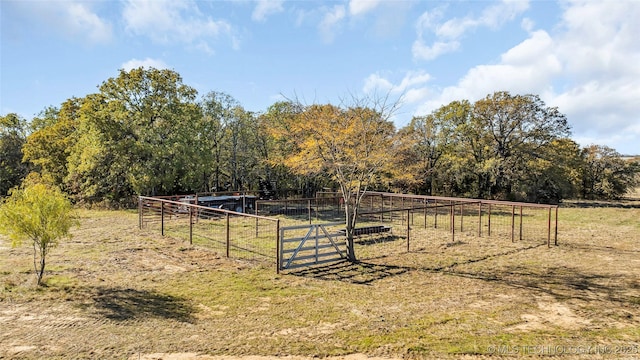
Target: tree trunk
[
  {"x": 38, "y": 270},
  {"x": 350, "y": 224}
]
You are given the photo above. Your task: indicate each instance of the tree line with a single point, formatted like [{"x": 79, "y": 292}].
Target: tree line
[{"x": 145, "y": 132}]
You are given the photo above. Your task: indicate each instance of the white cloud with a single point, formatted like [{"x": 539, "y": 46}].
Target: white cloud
[
  {"x": 146, "y": 63},
  {"x": 422, "y": 51},
  {"x": 428, "y": 21},
  {"x": 527, "y": 24},
  {"x": 588, "y": 68},
  {"x": 82, "y": 21},
  {"x": 449, "y": 33},
  {"x": 527, "y": 68},
  {"x": 412, "y": 87},
  {"x": 75, "y": 19},
  {"x": 601, "y": 39},
  {"x": 330, "y": 23},
  {"x": 600, "y": 49},
  {"x": 375, "y": 82},
  {"x": 498, "y": 14},
  {"x": 265, "y": 8},
  {"x": 359, "y": 7},
  {"x": 174, "y": 21}
]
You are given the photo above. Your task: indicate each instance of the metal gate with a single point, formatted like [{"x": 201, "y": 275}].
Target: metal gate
[{"x": 312, "y": 244}]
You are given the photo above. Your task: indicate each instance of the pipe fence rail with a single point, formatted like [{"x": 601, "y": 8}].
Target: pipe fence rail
[
  {"x": 310, "y": 210},
  {"x": 229, "y": 233},
  {"x": 412, "y": 224}
]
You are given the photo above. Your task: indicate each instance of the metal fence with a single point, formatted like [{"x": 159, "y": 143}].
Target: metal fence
[
  {"x": 413, "y": 224},
  {"x": 228, "y": 233},
  {"x": 421, "y": 223},
  {"x": 303, "y": 210}
]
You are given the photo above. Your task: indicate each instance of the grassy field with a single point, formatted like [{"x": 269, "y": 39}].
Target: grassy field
[{"x": 116, "y": 292}]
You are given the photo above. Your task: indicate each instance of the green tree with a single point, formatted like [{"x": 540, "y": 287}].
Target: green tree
[
  {"x": 352, "y": 144},
  {"x": 218, "y": 113},
  {"x": 555, "y": 175},
  {"x": 12, "y": 138},
  {"x": 100, "y": 160},
  {"x": 422, "y": 145},
  {"x": 242, "y": 149},
  {"x": 136, "y": 136},
  {"x": 605, "y": 175},
  {"x": 49, "y": 145},
  {"x": 39, "y": 213},
  {"x": 517, "y": 128}
]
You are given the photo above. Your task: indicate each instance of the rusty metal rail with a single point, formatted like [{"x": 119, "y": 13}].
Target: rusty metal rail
[
  {"x": 419, "y": 222},
  {"x": 235, "y": 234}
]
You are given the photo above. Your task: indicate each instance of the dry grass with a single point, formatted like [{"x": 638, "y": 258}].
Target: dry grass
[{"x": 114, "y": 291}]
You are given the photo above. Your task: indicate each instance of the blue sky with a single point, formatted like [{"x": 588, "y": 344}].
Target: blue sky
[{"x": 580, "y": 56}]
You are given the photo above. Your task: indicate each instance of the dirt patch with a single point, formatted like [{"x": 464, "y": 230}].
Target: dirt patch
[{"x": 551, "y": 314}]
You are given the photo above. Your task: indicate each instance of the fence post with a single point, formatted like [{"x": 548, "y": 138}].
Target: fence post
[
  {"x": 452, "y": 211},
  {"x": 520, "y": 222},
  {"x": 197, "y": 210},
  {"x": 489, "y": 222},
  {"x": 139, "y": 212},
  {"x": 256, "y": 211},
  {"x": 408, "y": 230},
  {"x": 228, "y": 238},
  {"x": 461, "y": 217},
  {"x": 162, "y": 218},
  {"x": 278, "y": 251},
  {"x": 480, "y": 219},
  {"x": 435, "y": 215},
  {"x": 190, "y": 225},
  {"x": 425, "y": 212},
  {"x": 513, "y": 220},
  {"x": 556, "y": 231},
  {"x": 549, "y": 228},
  {"x": 309, "y": 210}
]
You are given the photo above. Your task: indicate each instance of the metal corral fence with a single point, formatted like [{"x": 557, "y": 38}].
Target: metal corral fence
[
  {"x": 419, "y": 223},
  {"x": 389, "y": 224},
  {"x": 229, "y": 233},
  {"x": 303, "y": 210}
]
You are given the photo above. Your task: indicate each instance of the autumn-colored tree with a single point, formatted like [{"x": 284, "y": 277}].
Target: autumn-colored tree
[{"x": 353, "y": 144}]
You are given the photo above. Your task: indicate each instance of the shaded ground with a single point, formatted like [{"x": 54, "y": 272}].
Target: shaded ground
[{"x": 115, "y": 292}]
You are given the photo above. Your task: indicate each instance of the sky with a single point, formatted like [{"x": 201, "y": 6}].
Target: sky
[{"x": 582, "y": 57}]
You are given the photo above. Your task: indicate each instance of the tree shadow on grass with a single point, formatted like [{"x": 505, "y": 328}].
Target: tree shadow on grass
[
  {"x": 351, "y": 272},
  {"x": 561, "y": 282},
  {"x": 362, "y": 272},
  {"x": 123, "y": 304}
]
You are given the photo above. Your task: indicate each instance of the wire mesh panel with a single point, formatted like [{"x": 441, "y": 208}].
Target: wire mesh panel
[
  {"x": 230, "y": 234},
  {"x": 388, "y": 225},
  {"x": 309, "y": 210}
]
